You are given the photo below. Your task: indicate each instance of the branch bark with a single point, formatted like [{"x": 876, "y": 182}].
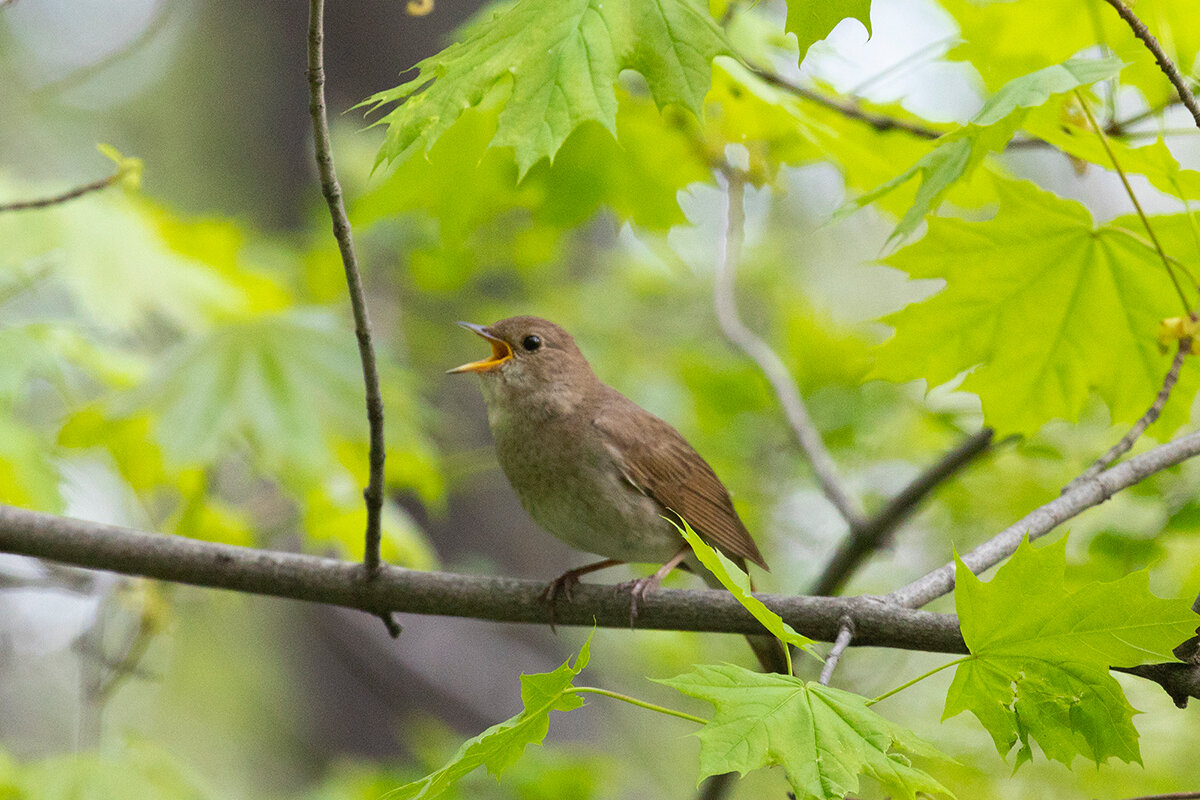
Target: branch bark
[
  {"x": 339, "y": 583},
  {"x": 332, "y": 190},
  {"x": 1046, "y": 518},
  {"x": 1164, "y": 62}
]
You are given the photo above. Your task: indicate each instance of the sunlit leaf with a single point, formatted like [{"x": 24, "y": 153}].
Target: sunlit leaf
[
  {"x": 1041, "y": 653},
  {"x": 561, "y": 61},
  {"x": 824, "y": 738}
]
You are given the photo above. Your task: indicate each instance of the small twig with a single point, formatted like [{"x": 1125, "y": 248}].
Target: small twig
[
  {"x": 394, "y": 628},
  {"x": 768, "y": 361},
  {"x": 332, "y": 191},
  {"x": 1145, "y": 421},
  {"x": 1164, "y": 62},
  {"x": 1170, "y": 796},
  {"x": 78, "y": 191},
  {"x": 1187, "y": 305},
  {"x": 863, "y": 541},
  {"x": 844, "y": 637},
  {"x": 847, "y": 108}
]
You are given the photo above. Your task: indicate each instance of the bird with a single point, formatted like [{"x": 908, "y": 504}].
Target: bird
[{"x": 597, "y": 470}]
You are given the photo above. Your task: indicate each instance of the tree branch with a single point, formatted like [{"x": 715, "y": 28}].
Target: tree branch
[
  {"x": 768, "y": 361},
  {"x": 1145, "y": 421},
  {"x": 339, "y": 583},
  {"x": 866, "y": 539},
  {"x": 332, "y": 191},
  {"x": 1044, "y": 519},
  {"x": 1164, "y": 62}
]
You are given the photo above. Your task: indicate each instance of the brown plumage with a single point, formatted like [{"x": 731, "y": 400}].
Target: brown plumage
[{"x": 597, "y": 470}]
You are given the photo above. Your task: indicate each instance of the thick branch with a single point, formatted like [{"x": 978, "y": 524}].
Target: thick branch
[
  {"x": 772, "y": 366},
  {"x": 340, "y": 583},
  {"x": 332, "y": 191},
  {"x": 1164, "y": 62},
  {"x": 1042, "y": 520}
]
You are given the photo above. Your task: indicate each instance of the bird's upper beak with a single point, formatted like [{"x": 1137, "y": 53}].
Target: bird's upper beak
[{"x": 501, "y": 352}]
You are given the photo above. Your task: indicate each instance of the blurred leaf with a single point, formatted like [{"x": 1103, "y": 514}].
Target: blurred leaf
[
  {"x": 138, "y": 770},
  {"x": 284, "y": 383},
  {"x": 501, "y": 745},
  {"x": 334, "y": 514},
  {"x": 997, "y": 39},
  {"x": 28, "y": 478},
  {"x": 561, "y": 61},
  {"x": 957, "y": 154},
  {"x": 813, "y": 20},
  {"x": 1093, "y": 295},
  {"x": 825, "y": 738},
  {"x": 1040, "y": 655}
]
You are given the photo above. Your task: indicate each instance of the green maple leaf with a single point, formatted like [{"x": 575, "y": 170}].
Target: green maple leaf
[
  {"x": 720, "y": 566},
  {"x": 499, "y": 747},
  {"x": 560, "y": 60},
  {"x": 956, "y": 155},
  {"x": 1041, "y": 306},
  {"x": 824, "y": 738},
  {"x": 1040, "y": 655},
  {"x": 813, "y": 20}
]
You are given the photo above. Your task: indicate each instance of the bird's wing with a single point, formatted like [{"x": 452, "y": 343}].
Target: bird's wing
[{"x": 658, "y": 461}]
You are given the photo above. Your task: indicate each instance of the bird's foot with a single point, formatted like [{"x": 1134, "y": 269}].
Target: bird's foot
[
  {"x": 637, "y": 592},
  {"x": 559, "y": 587}
]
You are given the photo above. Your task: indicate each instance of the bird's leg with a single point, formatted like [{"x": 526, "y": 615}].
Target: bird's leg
[
  {"x": 565, "y": 582},
  {"x": 637, "y": 589}
]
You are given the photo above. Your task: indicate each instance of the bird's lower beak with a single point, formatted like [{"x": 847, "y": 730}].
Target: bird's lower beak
[{"x": 501, "y": 352}]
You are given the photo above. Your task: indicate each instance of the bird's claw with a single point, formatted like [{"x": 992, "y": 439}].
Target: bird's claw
[
  {"x": 560, "y": 586},
  {"x": 637, "y": 591}
]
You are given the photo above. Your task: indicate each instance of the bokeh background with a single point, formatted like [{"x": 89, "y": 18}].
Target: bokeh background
[{"x": 110, "y": 318}]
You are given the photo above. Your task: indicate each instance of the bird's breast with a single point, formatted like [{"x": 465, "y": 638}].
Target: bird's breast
[{"x": 567, "y": 480}]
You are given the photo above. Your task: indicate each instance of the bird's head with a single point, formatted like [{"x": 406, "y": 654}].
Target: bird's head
[{"x": 535, "y": 367}]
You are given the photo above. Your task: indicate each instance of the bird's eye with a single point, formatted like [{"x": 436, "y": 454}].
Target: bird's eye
[{"x": 531, "y": 342}]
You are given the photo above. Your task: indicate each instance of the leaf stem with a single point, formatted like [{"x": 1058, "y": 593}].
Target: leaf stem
[
  {"x": 1187, "y": 307},
  {"x": 918, "y": 679},
  {"x": 635, "y": 702}
]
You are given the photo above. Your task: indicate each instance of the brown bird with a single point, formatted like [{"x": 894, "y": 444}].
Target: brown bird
[{"x": 597, "y": 470}]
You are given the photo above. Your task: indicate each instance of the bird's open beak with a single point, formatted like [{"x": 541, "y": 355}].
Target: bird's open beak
[{"x": 501, "y": 352}]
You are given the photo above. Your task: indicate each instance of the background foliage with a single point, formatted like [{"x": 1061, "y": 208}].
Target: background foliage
[{"x": 178, "y": 357}]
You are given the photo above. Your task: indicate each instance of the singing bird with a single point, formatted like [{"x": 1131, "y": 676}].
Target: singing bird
[{"x": 598, "y": 471}]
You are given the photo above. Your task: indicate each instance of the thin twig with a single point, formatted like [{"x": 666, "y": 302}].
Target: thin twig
[
  {"x": 78, "y": 191},
  {"x": 332, "y": 191},
  {"x": 1162, "y": 253},
  {"x": 1046, "y": 518},
  {"x": 1145, "y": 421},
  {"x": 1164, "y": 61},
  {"x": 844, "y": 637},
  {"x": 847, "y": 108},
  {"x": 864, "y": 540},
  {"x": 768, "y": 361}
]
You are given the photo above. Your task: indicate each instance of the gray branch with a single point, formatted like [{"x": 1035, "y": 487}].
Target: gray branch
[{"x": 1042, "y": 520}]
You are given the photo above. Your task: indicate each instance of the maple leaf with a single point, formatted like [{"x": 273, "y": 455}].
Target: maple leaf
[
  {"x": 560, "y": 60},
  {"x": 1041, "y": 306},
  {"x": 1040, "y": 655},
  {"x": 824, "y": 738}
]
